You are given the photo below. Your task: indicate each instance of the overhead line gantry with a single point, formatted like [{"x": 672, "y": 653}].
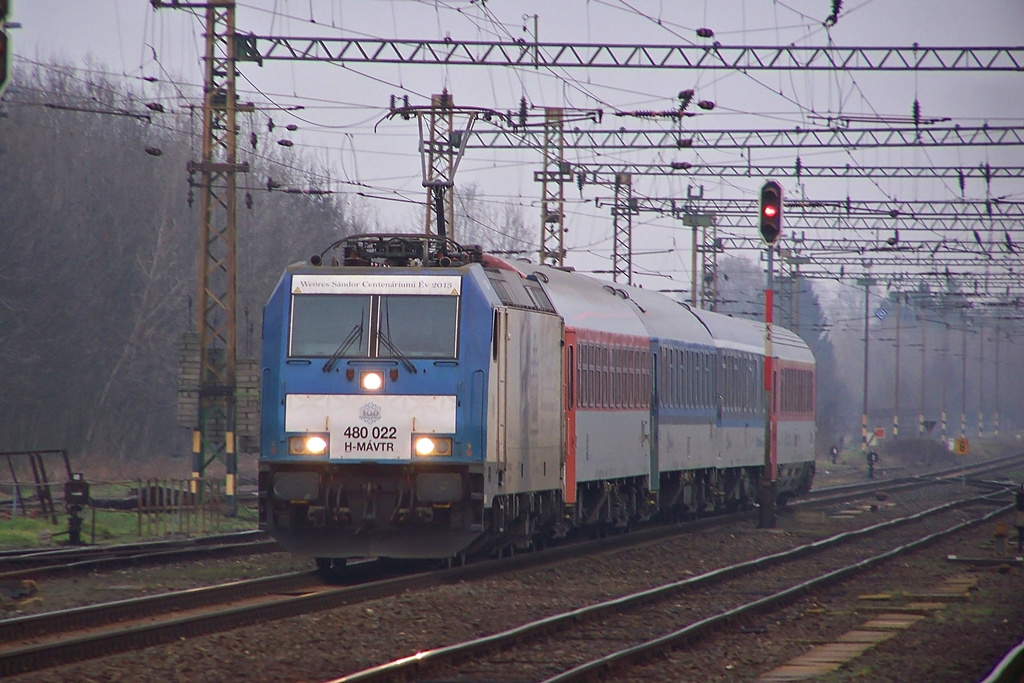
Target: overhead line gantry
[
  {"x": 800, "y": 138},
  {"x": 451, "y": 52}
]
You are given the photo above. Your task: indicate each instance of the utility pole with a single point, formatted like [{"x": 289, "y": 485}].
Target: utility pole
[
  {"x": 438, "y": 166},
  {"x": 944, "y": 369},
  {"x": 963, "y": 377},
  {"x": 995, "y": 416},
  {"x": 924, "y": 349},
  {"x": 867, "y": 282},
  {"x": 981, "y": 381},
  {"x": 214, "y": 434},
  {"x": 553, "y": 177},
  {"x": 622, "y": 225},
  {"x": 896, "y": 383}
]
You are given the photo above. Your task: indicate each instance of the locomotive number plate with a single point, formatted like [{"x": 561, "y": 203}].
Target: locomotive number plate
[{"x": 364, "y": 427}]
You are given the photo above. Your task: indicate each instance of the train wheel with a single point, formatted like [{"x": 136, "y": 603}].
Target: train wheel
[
  {"x": 455, "y": 561},
  {"x": 330, "y": 569}
]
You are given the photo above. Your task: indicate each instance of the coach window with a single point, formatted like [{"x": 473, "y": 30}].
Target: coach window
[
  {"x": 691, "y": 379},
  {"x": 327, "y": 325},
  {"x": 606, "y": 377}
]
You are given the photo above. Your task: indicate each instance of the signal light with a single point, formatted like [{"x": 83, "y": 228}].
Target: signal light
[{"x": 770, "y": 214}]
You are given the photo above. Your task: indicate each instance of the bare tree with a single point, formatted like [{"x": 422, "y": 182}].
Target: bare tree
[
  {"x": 497, "y": 226},
  {"x": 98, "y": 270}
]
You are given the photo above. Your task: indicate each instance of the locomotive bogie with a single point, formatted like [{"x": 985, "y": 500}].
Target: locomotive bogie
[{"x": 372, "y": 510}]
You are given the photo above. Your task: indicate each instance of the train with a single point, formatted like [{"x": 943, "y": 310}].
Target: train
[{"x": 427, "y": 400}]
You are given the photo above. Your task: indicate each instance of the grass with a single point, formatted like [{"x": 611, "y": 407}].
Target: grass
[
  {"x": 116, "y": 480},
  {"x": 116, "y": 526}
]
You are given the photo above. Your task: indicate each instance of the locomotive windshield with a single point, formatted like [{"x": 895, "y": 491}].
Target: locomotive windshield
[
  {"x": 325, "y": 325},
  {"x": 374, "y": 326},
  {"x": 418, "y": 326}
]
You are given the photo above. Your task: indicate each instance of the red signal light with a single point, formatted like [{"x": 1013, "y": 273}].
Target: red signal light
[{"x": 770, "y": 222}]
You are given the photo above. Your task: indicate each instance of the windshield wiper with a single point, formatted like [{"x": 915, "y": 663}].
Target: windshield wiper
[
  {"x": 390, "y": 346},
  {"x": 356, "y": 333}
]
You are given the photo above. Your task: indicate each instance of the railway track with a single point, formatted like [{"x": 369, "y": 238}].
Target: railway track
[
  {"x": 92, "y": 638},
  {"x": 585, "y": 643},
  {"x": 36, "y": 563}
]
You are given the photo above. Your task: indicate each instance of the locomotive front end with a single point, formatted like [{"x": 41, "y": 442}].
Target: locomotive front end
[{"x": 371, "y": 429}]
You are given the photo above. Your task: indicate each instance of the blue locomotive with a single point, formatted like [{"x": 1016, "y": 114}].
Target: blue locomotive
[{"x": 425, "y": 400}]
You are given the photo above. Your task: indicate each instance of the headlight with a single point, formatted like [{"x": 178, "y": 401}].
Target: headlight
[
  {"x": 371, "y": 380},
  {"x": 428, "y": 445},
  {"x": 307, "y": 444}
]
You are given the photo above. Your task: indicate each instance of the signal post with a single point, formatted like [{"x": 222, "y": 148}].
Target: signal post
[{"x": 770, "y": 226}]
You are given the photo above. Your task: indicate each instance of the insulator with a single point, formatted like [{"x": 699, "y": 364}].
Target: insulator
[
  {"x": 837, "y": 6},
  {"x": 155, "y": 106},
  {"x": 190, "y": 196},
  {"x": 681, "y": 165},
  {"x": 252, "y": 139},
  {"x": 270, "y": 125},
  {"x": 271, "y": 185},
  {"x": 248, "y": 200},
  {"x": 285, "y": 143},
  {"x": 706, "y": 104},
  {"x": 522, "y": 111},
  {"x": 683, "y": 143},
  {"x": 292, "y": 127},
  {"x": 705, "y": 33},
  {"x": 154, "y": 151}
]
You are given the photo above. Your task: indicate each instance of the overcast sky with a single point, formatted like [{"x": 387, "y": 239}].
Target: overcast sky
[{"x": 340, "y": 122}]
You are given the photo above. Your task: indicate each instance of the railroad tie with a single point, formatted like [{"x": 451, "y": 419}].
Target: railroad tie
[{"x": 891, "y": 619}]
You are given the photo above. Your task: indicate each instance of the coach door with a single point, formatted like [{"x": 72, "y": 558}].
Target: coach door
[
  {"x": 655, "y": 379},
  {"x": 570, "y": 388}
]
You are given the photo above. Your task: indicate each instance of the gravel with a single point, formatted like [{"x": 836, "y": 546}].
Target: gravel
[{"x": 958, "y": 643}]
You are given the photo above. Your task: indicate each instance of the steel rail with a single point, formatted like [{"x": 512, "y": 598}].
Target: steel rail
[
  {"x": 56, "y": 565},
  {"x": 93, "y": 616},
  {"x": 1010, "y": 668},
  {"x": 594, "y": 669},
  {"x": 123, "y": 638},
  {"x": 408, "y": 666}
]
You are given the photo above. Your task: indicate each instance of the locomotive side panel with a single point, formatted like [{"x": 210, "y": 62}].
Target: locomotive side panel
[{"x": 526, "y": 398}]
